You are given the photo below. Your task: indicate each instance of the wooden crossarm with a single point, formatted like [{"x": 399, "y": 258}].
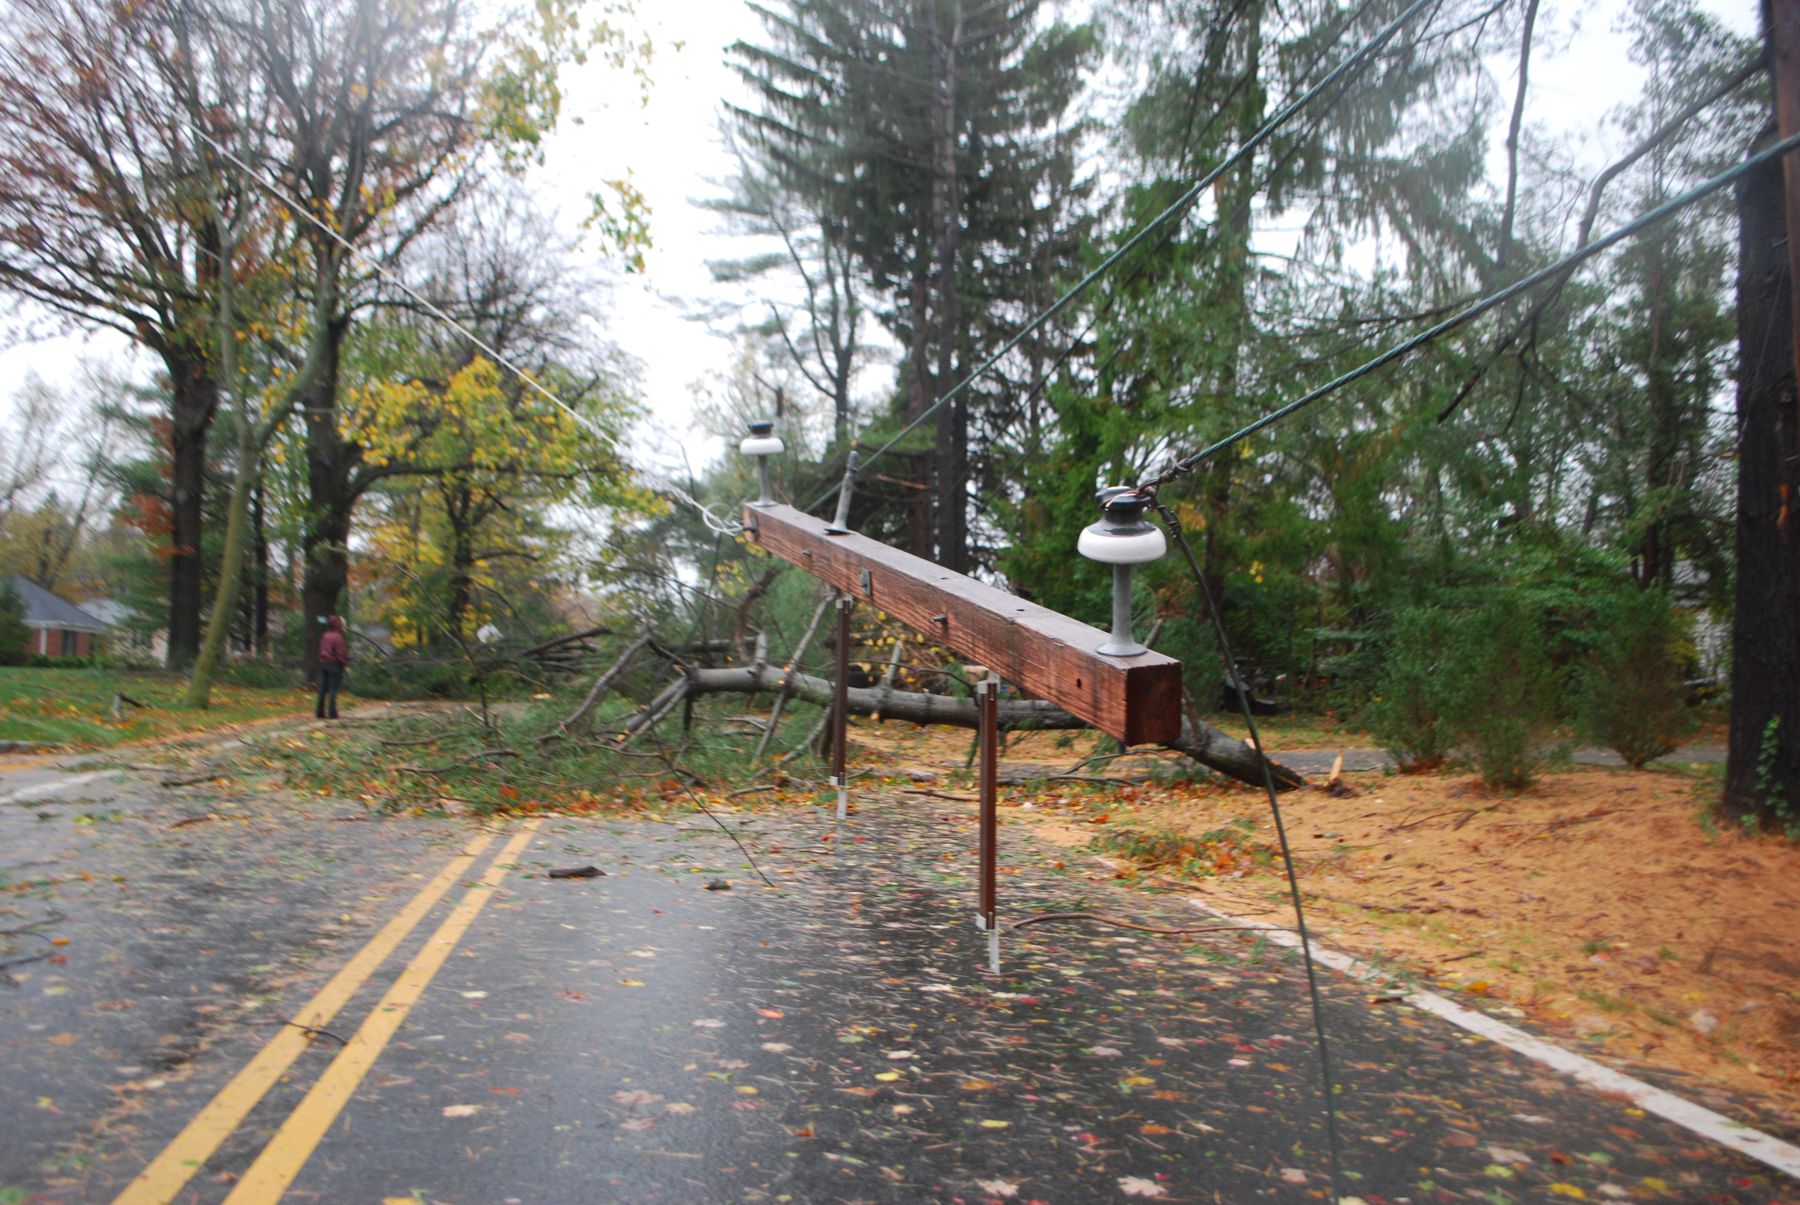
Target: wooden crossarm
[{"x": 1136, "y": 699}]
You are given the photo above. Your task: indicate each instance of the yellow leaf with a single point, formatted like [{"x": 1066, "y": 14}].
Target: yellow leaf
[
  {"x": 1567, "y": 1190},
  {"x": 888, "y": 1076},
  {"x": 995, "y": 1125}
]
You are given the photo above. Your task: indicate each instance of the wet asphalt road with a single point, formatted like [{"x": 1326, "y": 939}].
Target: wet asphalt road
[{"x": 638, "y": 1037}]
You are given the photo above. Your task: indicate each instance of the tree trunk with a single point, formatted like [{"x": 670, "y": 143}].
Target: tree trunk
[
  {"x": 918, "y": 390},
  {"x": 1207, "y": 745},
  {"x": 1233, "y": 196},
  {"x": 459, "y": 506},
  {"x": 1661, "y": 469},
  {"x": 1762, "y": 769},
  {"x": 194, "y": 398},
  {"x": 946, "y": 204},
  {"x": 259, "y": 620},
  {"x": 231, "y": 579},
  {"x": 331, "y": 495},
  {"x": 237, "y": 518},
  {"x": 840, "y": 327}
]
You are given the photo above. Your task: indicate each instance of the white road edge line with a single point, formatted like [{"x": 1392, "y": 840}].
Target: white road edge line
[
  {"x": 45, "y": 790},
  {"x": 1783, "y": 1157}
]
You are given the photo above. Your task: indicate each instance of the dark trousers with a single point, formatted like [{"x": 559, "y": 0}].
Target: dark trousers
[{"x": 331, "y": 680}]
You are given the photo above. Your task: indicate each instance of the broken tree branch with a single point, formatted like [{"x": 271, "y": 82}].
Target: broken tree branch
[
  {"x": 577, "y": 718},
  {"x": 647, "y": 716},
  {"x": 572, "y": 638},
  {"x": 793, "y": 662}
]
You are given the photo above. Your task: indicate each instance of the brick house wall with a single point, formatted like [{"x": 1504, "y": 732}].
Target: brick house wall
[{"x": 59, "y": 642}]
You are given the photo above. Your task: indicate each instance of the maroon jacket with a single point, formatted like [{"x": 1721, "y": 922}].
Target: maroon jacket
[{"x": 332, "y": 649}]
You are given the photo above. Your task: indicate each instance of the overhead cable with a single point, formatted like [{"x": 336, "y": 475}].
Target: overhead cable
[
  {"x": 1476, "y": 309},
  {"x": 1174, "y": 210},
  {"x": 1171, "y": 229},
  {"x": 1334, "y": 1140},
  {"x": 655, "y": 481}
]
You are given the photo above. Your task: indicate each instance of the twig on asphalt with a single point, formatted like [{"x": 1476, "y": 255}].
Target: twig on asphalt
[
  {"x": 188, "y": 782},
  {"x": 32, "y": 928},
  {"x": 1107, "y": 780},
  {"x": 311, "y": 1031},
  {"x": 10, "y": 963}
]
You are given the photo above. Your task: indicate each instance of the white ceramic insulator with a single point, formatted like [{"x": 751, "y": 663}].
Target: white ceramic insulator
[{"x": 1098, "y": 544}]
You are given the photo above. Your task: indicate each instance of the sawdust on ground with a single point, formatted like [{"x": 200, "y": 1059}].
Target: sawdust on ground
[{"x": 1602, "y": 907}]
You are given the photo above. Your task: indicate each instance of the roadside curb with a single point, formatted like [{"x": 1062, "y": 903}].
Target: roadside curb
[{"x": 1784, "y": 1157}]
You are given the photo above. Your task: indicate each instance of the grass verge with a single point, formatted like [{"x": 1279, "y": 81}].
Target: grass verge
[{"x": 74, "y": 708}]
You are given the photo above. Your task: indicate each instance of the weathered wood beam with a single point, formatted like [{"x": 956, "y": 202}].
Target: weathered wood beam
[{"x": 1136, "y": 699}]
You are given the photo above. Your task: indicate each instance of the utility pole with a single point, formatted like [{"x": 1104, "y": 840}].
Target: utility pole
[
  {"x": 1784, "y": 38},
  {"x": 1762, "y": 768}
]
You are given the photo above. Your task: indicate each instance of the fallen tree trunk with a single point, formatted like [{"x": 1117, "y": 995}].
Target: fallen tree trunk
[{"x": 1207, "y": 745}]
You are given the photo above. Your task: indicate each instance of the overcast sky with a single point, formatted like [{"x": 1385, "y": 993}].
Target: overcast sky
[{"x": 672, "y": 150}]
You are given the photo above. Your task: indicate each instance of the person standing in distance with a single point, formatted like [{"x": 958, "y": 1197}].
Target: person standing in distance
[{"x": 334, "y": 655}]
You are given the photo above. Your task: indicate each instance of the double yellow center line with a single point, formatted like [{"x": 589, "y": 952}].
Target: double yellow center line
[{"x": 287, "y": 1152}]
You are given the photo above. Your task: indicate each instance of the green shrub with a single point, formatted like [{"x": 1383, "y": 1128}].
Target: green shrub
[
  {"x": 1630, "y": 692},
  {"x": 1476, "y": 680},
  {"x": 1501, "y": 690},
  {"x": 404, "y": 677},
  {"x": 1407, "y": 710}
]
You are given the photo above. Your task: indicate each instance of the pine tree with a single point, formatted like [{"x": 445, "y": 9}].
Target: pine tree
[{"x": 937, "y": 133}]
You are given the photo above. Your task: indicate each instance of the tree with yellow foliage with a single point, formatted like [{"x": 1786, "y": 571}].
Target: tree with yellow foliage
[
  {"x": 497, "y": 459},
  {"x": 476, "y": 462}
]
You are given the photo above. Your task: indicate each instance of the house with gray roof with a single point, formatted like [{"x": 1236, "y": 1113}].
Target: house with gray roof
[
  {"x": 58, "y": 627},
  {"x": 129, "y": 637}
]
